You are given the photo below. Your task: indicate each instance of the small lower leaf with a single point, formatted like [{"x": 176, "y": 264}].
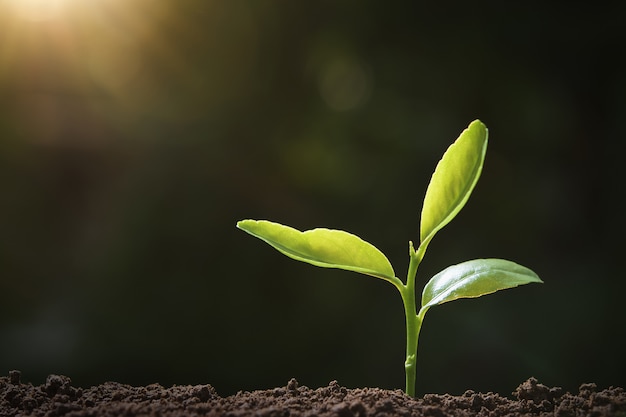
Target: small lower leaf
[{"x": 475, "y": 278}]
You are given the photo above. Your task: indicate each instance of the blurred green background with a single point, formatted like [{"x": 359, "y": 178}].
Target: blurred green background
[{"x": 134, "y": 135}]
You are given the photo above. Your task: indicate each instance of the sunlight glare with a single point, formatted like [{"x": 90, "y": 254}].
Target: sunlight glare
[
  {"x": 75, "y": 65},
  {"x": 39, "y": 10}
]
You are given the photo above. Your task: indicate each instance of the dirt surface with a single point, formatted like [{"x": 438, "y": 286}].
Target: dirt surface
[{"x": 57, "y": 397}]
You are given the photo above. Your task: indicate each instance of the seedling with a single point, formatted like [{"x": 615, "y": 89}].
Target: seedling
[{"x": 452, "y": 183}]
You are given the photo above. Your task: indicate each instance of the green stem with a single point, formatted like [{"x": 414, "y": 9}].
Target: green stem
[
  {"x": 413, "y": 325},
  {"x": 413, "y": 320}
]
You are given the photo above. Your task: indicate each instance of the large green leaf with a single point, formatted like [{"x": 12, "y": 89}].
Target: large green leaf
[
  {"x": 475, "y": 278},
  {"x": 323, "y": 247},
  {"x": 453, "y": 180}
]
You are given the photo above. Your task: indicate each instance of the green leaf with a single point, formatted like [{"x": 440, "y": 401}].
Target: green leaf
[
  {"x": 454, "y": 179},
  {"x": 475, "y": 278},
  {"x": 323, "y": 247}
]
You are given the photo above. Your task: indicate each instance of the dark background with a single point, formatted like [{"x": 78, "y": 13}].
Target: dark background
[{"x": 135, "y": 134}]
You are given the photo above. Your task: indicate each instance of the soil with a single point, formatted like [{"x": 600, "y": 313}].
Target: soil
[{"x": 57, "y": 397}]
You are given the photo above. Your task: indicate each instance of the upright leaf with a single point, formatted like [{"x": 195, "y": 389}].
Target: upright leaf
[
  {"x": 454, "y": 179},
  {"x": 323, "y": 247},
  {"x": 475, "y": 278}
]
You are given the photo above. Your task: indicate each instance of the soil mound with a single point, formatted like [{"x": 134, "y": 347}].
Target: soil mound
[{"x": 57, "y": 397}]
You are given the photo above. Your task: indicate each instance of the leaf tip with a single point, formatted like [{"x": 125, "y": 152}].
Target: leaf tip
[
  {"x": 477, "y": 124},
  {"x": 246, "y": 224}
]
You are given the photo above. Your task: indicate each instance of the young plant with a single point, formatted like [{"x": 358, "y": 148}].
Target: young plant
[{"x": 452, "y": 183}]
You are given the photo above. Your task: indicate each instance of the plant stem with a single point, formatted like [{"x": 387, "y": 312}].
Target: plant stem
[
  {"x": 413, "y": 325},
  {"x": 413, "y": 320}
]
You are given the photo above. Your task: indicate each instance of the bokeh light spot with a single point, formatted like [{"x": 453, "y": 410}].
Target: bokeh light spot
[{"x": 344, "y": 84}]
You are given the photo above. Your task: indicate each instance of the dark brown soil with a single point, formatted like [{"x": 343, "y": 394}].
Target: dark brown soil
[{"x": 57, "y": 397}]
